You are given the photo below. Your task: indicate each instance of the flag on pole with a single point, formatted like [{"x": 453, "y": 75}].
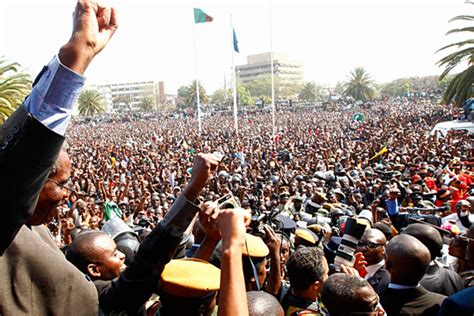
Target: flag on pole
[
  {"x": 236, "y": 47},
  {"x": 201, "y": 17},
  {"x": 381, "y": 152}
]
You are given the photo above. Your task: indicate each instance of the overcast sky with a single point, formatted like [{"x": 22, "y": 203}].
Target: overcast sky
[{"x": 390, "y": 39}]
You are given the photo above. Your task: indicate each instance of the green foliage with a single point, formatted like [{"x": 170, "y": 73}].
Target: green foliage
[
  {"x": 218, "y": 97},
  {"x": 461, "y": 87},
  {"x": 262, "y": 86},
  {"x": 360, "y": 86},
  {"x": 187, "y": 95},
  {"x": 91, "y": 102},
  {"x": 339, "y": 88},
  {"x": 147, "y": 104},
  {"x": 310, "y": 92},
  {"x": 244, "y": 97},
  {"x": 14, "y": 87},
  {"x": 402, "y": 86}
]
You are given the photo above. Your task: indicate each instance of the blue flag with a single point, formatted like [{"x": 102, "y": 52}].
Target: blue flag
[{"x": 236, "y": 47}]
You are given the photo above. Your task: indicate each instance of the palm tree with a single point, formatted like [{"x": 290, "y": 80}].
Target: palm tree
[
  {"x": 461, "y": 86},
  {"x": 14, "y": 87},
  {"x": 359, "y": 86},
  {"x": 191, "y": 98},
  {"x": 308, "y": 93},
  {"x": 91, "y": 102}
]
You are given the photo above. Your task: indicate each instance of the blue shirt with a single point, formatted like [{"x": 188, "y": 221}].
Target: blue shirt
[{"x": 54, "y": 95}]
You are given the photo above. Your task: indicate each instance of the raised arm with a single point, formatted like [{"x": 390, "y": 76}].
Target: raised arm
[
  {"x": 30, "y": 140},
  {"x": 136, "y": 284},
  {"x": 232, "y": 297}
]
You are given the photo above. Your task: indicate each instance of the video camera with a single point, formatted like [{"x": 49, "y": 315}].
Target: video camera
[
  {"x": 353, "y": 231},
  {"x": 259, "y": 219}
]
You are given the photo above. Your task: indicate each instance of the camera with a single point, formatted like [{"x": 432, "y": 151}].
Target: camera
[
  {"x": 353, "y": 231},
  {"x": 257, "y": 223},
  {"x": 227, "y": 201},
  {"x": 259, "y": 219}
]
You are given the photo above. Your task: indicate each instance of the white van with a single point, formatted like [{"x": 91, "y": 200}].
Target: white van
[{"x": 457, "y": 125}]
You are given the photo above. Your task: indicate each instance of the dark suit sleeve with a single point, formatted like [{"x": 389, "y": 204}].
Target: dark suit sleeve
[
  {"x": 28, "y": 151},
  {"x": 141, "y": 278}
]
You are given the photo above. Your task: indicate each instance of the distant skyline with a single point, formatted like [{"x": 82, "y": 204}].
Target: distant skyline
[{"x": 390, "y": 39}]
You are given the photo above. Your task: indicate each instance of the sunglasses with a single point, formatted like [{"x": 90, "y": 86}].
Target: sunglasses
[{"x": 369, "y": 244}]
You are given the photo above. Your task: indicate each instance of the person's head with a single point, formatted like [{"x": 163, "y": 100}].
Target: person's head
[
  {"x": 254, "y": 262},
  {"x": 189, "y": 287},
  {"x": 54, "y": 191},
  {"x": 95, "y": 254},
  {"x": 344, "y": 294},
  {"x": 372, "y": 245},
  {"x": 263, "y": 304},
  {"x": 285, "y": 250},
  {"x": 429, "y": 236},
  {"x": 251, "y": 278},
  {"x": 94, "y": 222},
  {"x": 155, "y": 200},
  {"x": 407, "y": 260},
  {"x": 307, "y": 270},
  {"x": 298, "y": 202}
]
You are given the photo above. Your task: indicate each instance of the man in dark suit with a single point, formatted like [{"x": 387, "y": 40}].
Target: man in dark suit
[
  {"x": 372, "y": 246},
  {"x": 459, "y": 304},
  {"x": 36, "y": 278},
  {"x": 407, "y": 261},
  {"x": 437, "y": 278}
]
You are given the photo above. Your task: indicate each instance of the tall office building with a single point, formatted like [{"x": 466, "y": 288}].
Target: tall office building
[
  {"x": 288, "y": 71},
  {"x": 128, "y": 96}
]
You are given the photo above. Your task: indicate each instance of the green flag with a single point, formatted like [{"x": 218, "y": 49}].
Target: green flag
[
  {"x": 201, "y": 17},
  {"x": 358, "y": 117},
  {"x": 111, "y": 210}
]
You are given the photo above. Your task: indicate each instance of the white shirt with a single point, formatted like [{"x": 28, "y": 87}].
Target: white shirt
[{"x": 372, "y": 269}]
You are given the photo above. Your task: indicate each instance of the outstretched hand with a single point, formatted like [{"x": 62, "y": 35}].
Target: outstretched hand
[
  {"x": 203, "y": 165},
  {"x": 94, "y": 25},
  {"x": 232, "y": 224},
  {"x": 208, "y": 220}
]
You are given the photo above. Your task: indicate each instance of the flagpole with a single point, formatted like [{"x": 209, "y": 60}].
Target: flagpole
[
  {"x": 225, "y": 88},
  {"x": 197, "y": 81},
  {"x": 271, "y": 70},
  {"x": 236, "y": 124}
]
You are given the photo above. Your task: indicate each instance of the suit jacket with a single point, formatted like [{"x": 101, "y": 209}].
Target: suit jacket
[
  {"x": 141, "y": 278},
  {"x": 441, "y": 280},
  {"x": 417, "y": 301},
  {"x": 459, "y": 304},
  {"x": 36, "y": 279},
  {"x": 28, "y": 151},
  {"x": 380, "y": 280}
]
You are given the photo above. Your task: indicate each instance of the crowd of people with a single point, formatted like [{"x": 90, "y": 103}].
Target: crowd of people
[{"x": 336, "y": 211}]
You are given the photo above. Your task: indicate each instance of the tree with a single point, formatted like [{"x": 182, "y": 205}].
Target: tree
[
  {"x": 218, "y": 97},
  {"x": 339, "y": 88},
  {"x": 183, "y": 95},
  {"x": 461, "y": 86},
  {"x": 192, "y": 99},
  {"x": 187, "y": 95},
  {"x": 262, "y": 86},
  {"x": 122, "y": 103},
  {"x": 403, "y": 86},
  {"x": 147, "y": 103},
  {"x": 244, "y": 97},
  {"x": 310, "y": 92},
  {"x": 14, "y": 87},
  {"x": 91, "y": 102},
  {"x": 359, "y": 86}
]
